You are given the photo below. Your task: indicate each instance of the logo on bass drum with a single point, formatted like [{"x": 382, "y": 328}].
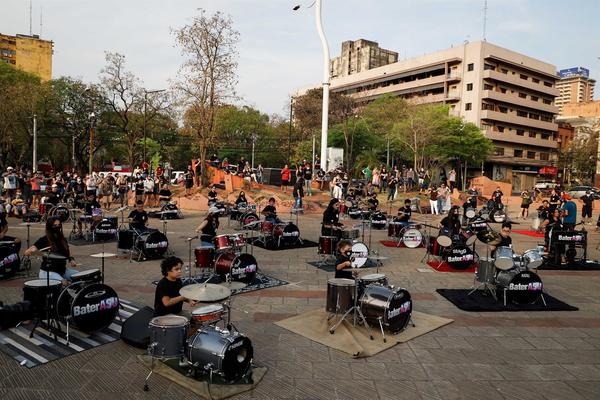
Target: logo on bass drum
[
  {"x": 106, "y": 304},
  {"x": 532, "y": 286},
  {"x": 157, "y": 245},
  {"x": 243, "y": 270},
  {"x": 9, "y": 259},
  {"x": 404, "y": 308}
]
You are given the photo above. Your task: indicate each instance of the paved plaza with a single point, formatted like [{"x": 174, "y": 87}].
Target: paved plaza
[{"x": 502, "y": 355}]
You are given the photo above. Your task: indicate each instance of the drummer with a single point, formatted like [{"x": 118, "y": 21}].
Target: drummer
[
  {"x": 164, "y": 195},
  {"x": 505, "y": 239},
  {"x": 343, "y": 262},
  {"x": 270, "y": 212},
  {"x": 331, "y": 219},
  {"x": 91, "y": 211},
  {"x": 470, "y": 203},
  {"x": 404, "y": 213},
  {"x": 452, "y": 222},
  {"x": 241, "y": 199},
  {"x": 138, "y": 218},
  {"x": 208, "y": 227},
  {"x": 373, "y": 202},
  {"x": 57, "y": 244},
  {"x": 4, "y": 230},
  {"x": 167, "y": 299}
]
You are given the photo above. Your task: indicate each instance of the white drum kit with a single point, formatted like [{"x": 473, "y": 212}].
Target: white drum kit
[{"x": 410, "y": 235}]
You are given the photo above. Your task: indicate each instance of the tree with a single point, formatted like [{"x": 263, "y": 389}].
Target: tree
[
  {"x": 580, "y": 158},
  {"x": 207, "y": 77}
]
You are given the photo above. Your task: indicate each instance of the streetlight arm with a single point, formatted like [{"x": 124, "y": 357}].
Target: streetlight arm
[{"x": 325, "y": 116}]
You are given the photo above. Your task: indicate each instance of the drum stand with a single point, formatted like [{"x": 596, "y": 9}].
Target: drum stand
[
  {"x": 122, "y": 211},
  {"x": 169, "y": 252},
  {"x": 427, "y": 257},
  {"x": 51, "y": 321},
  {"x": 355, "y": 309}
]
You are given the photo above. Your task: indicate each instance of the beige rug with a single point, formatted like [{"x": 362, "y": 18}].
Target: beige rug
[
  {"x": 355, "y": 340},
  {"x": 216, "y": 391}
]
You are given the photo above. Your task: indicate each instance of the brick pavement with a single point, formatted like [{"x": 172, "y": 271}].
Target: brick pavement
[{"x": 549, "y": 355}]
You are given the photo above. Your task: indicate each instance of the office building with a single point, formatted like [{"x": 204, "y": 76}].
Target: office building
[
  {"x": 360, "y": 55},
  {"x": 574, "y": 86},
  {"x": 28, "y": 53}
]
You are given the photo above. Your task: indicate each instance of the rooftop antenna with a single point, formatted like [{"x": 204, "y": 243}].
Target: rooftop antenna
[
  {"x": 30, "y": 19},
  {"x": 485, "y": 8}
]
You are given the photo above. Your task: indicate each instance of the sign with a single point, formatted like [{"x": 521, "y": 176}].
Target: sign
[
  {"x": 548, "y": 171},
  {"x": 575, "y": 71},
  {"x": 335, "y": 157}
]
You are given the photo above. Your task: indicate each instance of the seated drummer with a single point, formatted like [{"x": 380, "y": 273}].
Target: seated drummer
[
  {"x": 471, "y": 202},
  {"x": 164, "y": 194},
  {"x": 373, "y": 202},
  {"x": 343, "y": 262},
  {"x": 404, "y": 213},
  {"x": 241, "y": 199},
  {"x": 506, "y": 240},
  {"x": 4, "y": 230},
  {"x": 208, "y": 227},
  {"x": 51, "y": 196},
  {"x": 270, "y": 212},
  {"x": 57, "y": 244},
  {"x": 351, "y": 197},
  {"x": 167, "y": 299},
  {"x": 331, "y": 219},
  {"x": 91, "y": 212},
  {"x": 452, "y": 221},
  {"x": 138, "y": 217}
]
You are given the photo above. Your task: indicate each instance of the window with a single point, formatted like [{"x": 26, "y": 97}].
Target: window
[
  {"x": 534, "y": 116},
  {"x": 470, "y": 67},
  {"x": 547, "y": 84},
  {"x": 499, "y": 151},
  {"x": 468, "y": 106},
  {"x": 486, "y": 106},
  {"x": 545, "y": 136},
  {"x": 523, "y": 76},
  {"x": 521, "y": 113},
  {"x": 546, "y": 101},
  {"x": 504, "y": 71},
  {"x": 532, "y": 134},
  {"x": 500, "y": 129},
  {"x": 503, "y": 110},
  {"x": 488, "y": 87},
  {"x": 544, "y": 156},
  {"x": 520, "y": 132},
  {"x": 535, "y": 80},
  {"x": 522, "y": 95},
  {"x": 489, "y": 66},
  {"x": 469, "y": 87},
  {"x": 534, "y": 98},
  {"x": 531, "y": 155},
  {"x": 518, "y": 153},
  {"x": 503, "y": 90}
]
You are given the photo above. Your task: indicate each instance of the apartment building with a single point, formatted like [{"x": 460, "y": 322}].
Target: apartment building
[
  {"x": 360, "y": 55},
  {"x": 28, "y": 53},
  {"x": 574, "y": 86},
  {"x": 508, "y": 94}
]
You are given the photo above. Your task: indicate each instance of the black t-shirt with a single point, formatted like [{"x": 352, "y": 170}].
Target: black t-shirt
[
  {"x": 212, "y": 194},
  {"x": 270, "y": 209},
  {"x": 373, "y": 203},
  {"x": 171, "y": 289},
  {"x": 343, "y": 273},
  {"x": 404, "y": 214},
  {"x": 89, "y": 206},
  {"x": 331, "y": 216},
  {"x": 497, "y": 196},
  {"x": 139, "y": 219},
  {"x": 453, "y": 226},
  {"x": 139, "y": 188},
  {"x": 308, "y": 174},
  {"x": 52, "y": 265},
  {"x": 52, "y": 198},
  {"x": 588, "y": 200},
  {"x": 164, "y": 193},
  {"x": 209, "y": 231},
  {"x": 241, "y": 200}
]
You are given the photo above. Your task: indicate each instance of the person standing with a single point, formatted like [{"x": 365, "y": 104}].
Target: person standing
[
  {"x": 569, "y": 213},
  {"x": 367, "y": 174},
  {"x": 525, "y": 203},
  {"x": 554, "y": 200},
  {"x": 452, "y": 179},
  {"x": 308, "y": 173},
  {"x": 298, "y": 193},
  {"x": 391, "y": 186},
  {"x": 588, "y": 206},
  {"x": 189, "y": 180},
  {"x": 383, "y": 177},
  {"x": 433, "y": 194},
  {"x": 10, "y": 183},
  {"x": 410, "y": 178},
  {"x": 497, "y": 198},
  {"x": 441, "y": 198},
  {"x": 286, "y": 174}
]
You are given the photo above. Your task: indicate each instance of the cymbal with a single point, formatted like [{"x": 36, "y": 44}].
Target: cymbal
[
  {"x": 122, "y": 208},
  {"x": 488, "y": 237},
  {"x": 251, "y": 224},
  {"x": 103, "y": 255},
  {"x": 205, "y": 292},
  {"x": 233, "y": 285}
]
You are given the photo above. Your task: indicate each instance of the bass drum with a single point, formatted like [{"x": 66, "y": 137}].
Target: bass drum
[
  {"x": 289, "y": 235},
  {"x": 460, "y": 257},
  {"x": 90, "y": 307},
  {"x": 241, "y": 268},
  {"x": 106, "y": 229},
  {"x": 228, "y": 354},
  {"x": 412, "y": 238},
  {"x": 360, "y": 252},
  {"x": 393, "y": 306},
  {"x": 248, "y": 217},
  {"x": 153, "y": 244},
  {"x": 378, "y": 220},
  {"x": 355, "y": 212},
  {"x": 498, "y": 216},
  {"x": 522, "y": 287},
  {"x": 62, "y": 212},
  {"x": 9, "y": 260}
]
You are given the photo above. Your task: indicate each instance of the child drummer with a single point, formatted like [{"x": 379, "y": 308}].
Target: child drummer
[
  {"x": 167, "y": 299},
  {"x": 343, "y": 262}
]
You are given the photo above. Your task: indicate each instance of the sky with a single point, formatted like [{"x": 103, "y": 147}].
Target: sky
[{"x": 279, "y": 49}]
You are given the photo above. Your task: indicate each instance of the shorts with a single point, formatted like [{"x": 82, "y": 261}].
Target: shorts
[{"x": 285, "y": 182}]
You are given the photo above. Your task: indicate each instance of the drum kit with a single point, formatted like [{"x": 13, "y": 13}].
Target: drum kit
[
  {"x": 245, "y": 214},
  {"x": 492, "y": 212},
  {"x": 515, "y": 275},
  {"x": 86, "y": 303},
  {"x": 408, "y": 234},
  {"x": 95, "y": 227},
  {"x": 199, "y": 343},
  {"x": 10, "y": 262},
  {"x": 279, "y": 234},
  {"x": 371, "y": 301},
  {"x": 143, "y": 244}
]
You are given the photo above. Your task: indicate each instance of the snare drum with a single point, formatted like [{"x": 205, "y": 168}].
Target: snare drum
[
  {"x": 351, "y": 233},
  {"x": 444, "y": 237},
  {"x": 208, "y": 315},
  {"x": 340, "y": 295},
  {"x": 504, "y": 258},
  {"x": 168, "y": 334},
  {"x": 327, "y": 245},
  {"x": 369, "y": 279},
  {"x": 468, "y": 236},
  {"x": 222, "y": 242},
  {"x": 204, "y": 256},
  {"x": 237, "y": 240},
  {"x": 470, "y": 213},
  {"x": 89, "y": 275}
]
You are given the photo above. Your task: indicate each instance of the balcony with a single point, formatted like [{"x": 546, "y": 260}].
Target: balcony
[
  {"x": 516, "y": 100},
  {"x": 510, "y": 160},
  {"x": 454, "y": 76},
  {"x": 524, "y": 140},
  {"x": 400, "y": 89},
  {"x": 513, "y": 119},
  {"x": 516, "y": 81}
]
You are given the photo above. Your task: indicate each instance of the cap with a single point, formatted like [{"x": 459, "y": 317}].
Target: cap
[
  {"x": 9, "y": 168},
  {"x": 213, "y": 210}
]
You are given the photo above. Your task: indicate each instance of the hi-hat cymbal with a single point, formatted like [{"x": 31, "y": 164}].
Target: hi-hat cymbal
[
  {"x": 103, "y": 255},
  {"x": 233, "y": 285},
  {"x": 205, "y": 292}
]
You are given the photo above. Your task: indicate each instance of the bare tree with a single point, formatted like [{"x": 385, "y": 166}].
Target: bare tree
[{"x": 208, "y": 77}]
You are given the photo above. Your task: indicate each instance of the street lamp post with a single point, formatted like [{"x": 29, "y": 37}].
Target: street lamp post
[
  {"x": 254, "y": 137},
  {"x": 34, "y": 143},
  {"x": 325, "y": 116},
  {"x": 91, "y": 162}
]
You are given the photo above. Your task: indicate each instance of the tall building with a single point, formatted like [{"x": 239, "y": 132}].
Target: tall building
[
  {"x": 360, "y": 55},
  {"x": 510, "y": 96},
  {"x": 29, "y": 53},
  {"x": 575, "y": 86}
]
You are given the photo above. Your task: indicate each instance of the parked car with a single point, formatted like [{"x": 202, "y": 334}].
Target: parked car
[
  {"x": 545, "y": 185},
  {"x": 578, "y": 191}
]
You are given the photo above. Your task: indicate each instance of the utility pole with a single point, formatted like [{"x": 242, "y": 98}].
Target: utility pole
[
  {"x": 91, "y": 162},
  {"x": 34, "y": 143},
  {"x": 290, "y": 131}
]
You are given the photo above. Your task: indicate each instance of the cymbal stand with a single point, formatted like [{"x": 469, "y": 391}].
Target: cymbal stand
[
  {"x": 189, "y": 265},
  {"x": 427, "y": 257},
  {"x": 51, "y": 322},
  {"x": 356, "y": 314},
  {"x": 74, "y": 234},
  {"x": 122, "y": 223},
  {"x": 485, "y": 285}
]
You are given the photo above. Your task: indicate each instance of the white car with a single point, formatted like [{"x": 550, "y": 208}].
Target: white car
[
  {"x": 545, "y": 185},
  {"x": 578, "y": 191}
]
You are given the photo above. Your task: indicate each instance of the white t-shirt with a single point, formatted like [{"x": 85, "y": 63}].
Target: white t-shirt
[{"x": 10, "y": 181}]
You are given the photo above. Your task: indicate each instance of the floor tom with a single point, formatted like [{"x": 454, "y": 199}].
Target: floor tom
[
  {"x": 340, "y": 295},
  {"x": 168, "y": 334}
]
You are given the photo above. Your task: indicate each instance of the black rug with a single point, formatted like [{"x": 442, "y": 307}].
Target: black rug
[
  {"x": 260, "y": 281},
  {"x": 273, "y": 245},
  {"x": 83, "y": 242},
  {"x": 483, "y": 301},
  {"x": 576, "y": 266},
  {"x": 330, "y": 267},
  {"x": 42, "y": 348}
]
